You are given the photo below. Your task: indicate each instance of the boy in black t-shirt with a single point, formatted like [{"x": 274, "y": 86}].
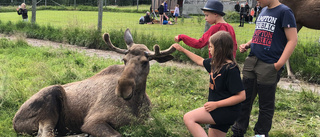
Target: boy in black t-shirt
[{"x": 272, "y": 44}]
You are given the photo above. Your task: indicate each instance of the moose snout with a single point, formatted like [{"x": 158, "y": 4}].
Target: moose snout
[{"x": 125, "y": 88}]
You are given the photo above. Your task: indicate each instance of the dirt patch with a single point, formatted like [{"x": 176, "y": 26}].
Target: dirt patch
[{"x": 284, "y": 83}]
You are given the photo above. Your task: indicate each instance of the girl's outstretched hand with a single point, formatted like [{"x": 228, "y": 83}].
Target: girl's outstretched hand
[
  {"x": 177, "y": 46},
  {"x": 210, "y": 106}
]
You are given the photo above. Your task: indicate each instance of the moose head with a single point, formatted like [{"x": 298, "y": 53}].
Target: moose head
[{"x": 136, "y": 60}]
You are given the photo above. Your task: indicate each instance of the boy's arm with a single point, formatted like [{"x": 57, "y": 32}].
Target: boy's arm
[
  {"x": 292, "y": 37},
  {"x": 201, "y": 42},
  {"x": 195, "y": 58},
  {"x": 245, "y": 47}
]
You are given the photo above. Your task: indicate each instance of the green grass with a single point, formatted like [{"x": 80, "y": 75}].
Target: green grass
[{"x": 24, "y": 70}]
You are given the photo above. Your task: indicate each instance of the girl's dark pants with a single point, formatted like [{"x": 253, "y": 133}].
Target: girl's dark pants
[{"x": 259, "y": 78}]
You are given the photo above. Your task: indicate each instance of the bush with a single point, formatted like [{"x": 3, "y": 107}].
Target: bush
[
  {"x": 232, "y": 17},
  {"x": 305, "y": 61}
]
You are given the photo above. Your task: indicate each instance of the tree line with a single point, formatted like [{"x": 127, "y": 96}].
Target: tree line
[{"x": 75, "y": 2}]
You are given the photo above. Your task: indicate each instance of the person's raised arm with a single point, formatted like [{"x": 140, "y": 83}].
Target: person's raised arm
[{"x": 195, "y": 58}]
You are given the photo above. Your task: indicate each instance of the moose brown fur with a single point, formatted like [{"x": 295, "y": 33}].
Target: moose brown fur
[
  {"x": 98, "y": 105},
  {"x": 307, "y": 13}
]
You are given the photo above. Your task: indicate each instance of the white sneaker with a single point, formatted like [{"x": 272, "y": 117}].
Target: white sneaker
[{"x": 259, "y": 135}]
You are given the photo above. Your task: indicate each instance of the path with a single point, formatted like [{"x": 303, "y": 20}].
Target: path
[{"x": 284, "y": 83}]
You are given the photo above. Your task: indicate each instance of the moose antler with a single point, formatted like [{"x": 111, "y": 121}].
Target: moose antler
[
  {"x": 161, "y": 56},
  {"x": 106, "y": 39},
  {"x": 157, "y": 51}
]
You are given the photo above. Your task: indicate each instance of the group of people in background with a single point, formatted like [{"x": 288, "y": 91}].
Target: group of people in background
[
  {"x": 163, "y": 17},
  {"x": 246, "y": 13},
  {"x": 163, "y": 9}
]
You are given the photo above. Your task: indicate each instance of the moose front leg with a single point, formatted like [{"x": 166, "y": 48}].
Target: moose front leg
[
  {"x": 289, "y": 71},
  {"x": 99, "y": 128},
  {"x": 46, "y": 129}
]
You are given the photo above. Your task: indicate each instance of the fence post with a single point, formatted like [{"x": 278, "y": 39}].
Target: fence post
[
  {"x": 137, "y": 5},
  {"x": 75, "y": 4},
  {"x": 34, "y": 8},
  {"x": 100, "y": 15}
]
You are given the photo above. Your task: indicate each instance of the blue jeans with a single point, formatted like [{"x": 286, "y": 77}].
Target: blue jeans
[{"x": 259, "y": 78}]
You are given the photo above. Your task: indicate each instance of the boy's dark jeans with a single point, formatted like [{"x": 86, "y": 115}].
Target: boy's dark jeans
[{"x": 259, "y": 78}]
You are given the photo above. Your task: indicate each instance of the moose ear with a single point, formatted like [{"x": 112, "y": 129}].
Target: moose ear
[
  {"x": 162, "y": 59},
  {"x": 128, "y": 38}
]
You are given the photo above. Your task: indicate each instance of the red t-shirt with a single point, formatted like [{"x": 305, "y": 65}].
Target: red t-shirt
[{"x": 203, "y": 41}]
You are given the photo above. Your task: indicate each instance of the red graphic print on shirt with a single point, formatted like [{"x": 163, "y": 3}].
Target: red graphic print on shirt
[{"x": 265, "y": 26}]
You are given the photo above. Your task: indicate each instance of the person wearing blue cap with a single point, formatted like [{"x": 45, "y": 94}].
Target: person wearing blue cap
[{"x": 213, "y": 11}]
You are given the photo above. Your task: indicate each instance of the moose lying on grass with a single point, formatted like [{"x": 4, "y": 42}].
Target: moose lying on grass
[{"x": 98, "y": 105}]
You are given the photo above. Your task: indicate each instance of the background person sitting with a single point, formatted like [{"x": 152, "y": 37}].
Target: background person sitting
[
  {"x": 147, "y": 18},
  {"x": 141, "y": 20},
  {"x": 166, "y": 20}
]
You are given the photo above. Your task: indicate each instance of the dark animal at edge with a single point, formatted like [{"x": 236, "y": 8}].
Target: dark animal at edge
[
  {"x": 99, "y": 105},
  {"x": 307, "y": 13}
]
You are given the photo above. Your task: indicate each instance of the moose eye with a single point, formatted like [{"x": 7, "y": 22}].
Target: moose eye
[{"x": 144, "y": 63}]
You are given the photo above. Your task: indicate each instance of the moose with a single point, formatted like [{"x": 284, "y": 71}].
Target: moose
[
  {"x": 99, "y": 105},
  {"x": 307, "y": 13}
]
